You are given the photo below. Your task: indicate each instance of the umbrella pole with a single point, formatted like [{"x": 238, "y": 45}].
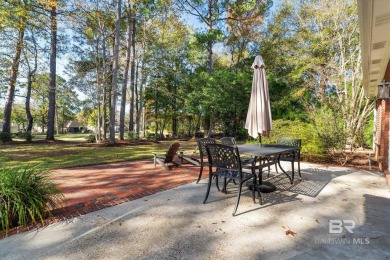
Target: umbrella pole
[{"x": 259, "y": 140}]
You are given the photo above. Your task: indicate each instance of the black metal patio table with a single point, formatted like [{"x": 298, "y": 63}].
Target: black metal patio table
[{"x": 266, "y": 155}]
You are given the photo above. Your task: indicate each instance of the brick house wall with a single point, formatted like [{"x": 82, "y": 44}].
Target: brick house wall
[{"x": 382, "y": 135}]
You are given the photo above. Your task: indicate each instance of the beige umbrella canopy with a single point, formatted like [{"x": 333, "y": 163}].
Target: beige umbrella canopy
[{"x": 259, "y": 120}]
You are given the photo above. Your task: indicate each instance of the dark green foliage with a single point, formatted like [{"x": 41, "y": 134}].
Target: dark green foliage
[
  {"x": 223, "y": 96},
  {"x": 330, "y": 127},
  {"x": 26, "y": 194},
  {"x": 151, "y": 136},
  {"x": 286, "y": 100},
  {"x": 311, "y": 143},
  {"x": 5, "y": 137},
  {"x": 368, "y": 132},
  {"x": 26, "y": 136},
  {"x": 133, "y": 136},
  {"x": 91, "y": 139}
]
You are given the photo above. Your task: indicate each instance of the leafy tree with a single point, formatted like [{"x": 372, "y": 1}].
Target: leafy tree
[
  {"x": 93, "y": 24},
  {"x": 19, "y": 117},
  {"x": 169, "y": 39},
  {"x": 318, "y": 49},
  {"x": 14, "y": 16},
  {"x": 115, "y": 73},
  {"x": 67, "y": 104}
]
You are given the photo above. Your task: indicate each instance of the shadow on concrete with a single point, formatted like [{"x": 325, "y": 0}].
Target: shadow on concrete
[{"x": 313, "y": 181}]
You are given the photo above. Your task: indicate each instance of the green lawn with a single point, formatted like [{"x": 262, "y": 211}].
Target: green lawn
[{"x": 73, "y": 151}]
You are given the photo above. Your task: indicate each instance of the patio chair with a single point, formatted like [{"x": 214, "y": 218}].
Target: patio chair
[
  {"x": 226, "y": 163},
  {"x": 228, "y": 141},
  {"x": 247, "y": 163},
  {"x": 166, "y": 160},
  {"x": 290, "y": 157},
  {"x": 202, "y": 143}
]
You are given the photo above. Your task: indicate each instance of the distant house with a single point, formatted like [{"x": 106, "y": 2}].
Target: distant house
[{"x": 73, "y": 127}]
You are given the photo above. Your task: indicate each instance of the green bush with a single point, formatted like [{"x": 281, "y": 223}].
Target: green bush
[
  {"x": 26, "y": 136},
  {"x": 133, "y": 136},
  {"x": 330, "y": 127},
  {"x": 26, "y": 194},
  {"x": 369, "y": 132},
  {"x": 151, "y": 136},
  {"x": 5, "y": 137},
  {"x": 91, "y": 139},
  {"x": 311, "y": 143}
]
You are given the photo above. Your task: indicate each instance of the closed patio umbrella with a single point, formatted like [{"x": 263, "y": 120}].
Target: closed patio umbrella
[{"x": 259, "y": 120}]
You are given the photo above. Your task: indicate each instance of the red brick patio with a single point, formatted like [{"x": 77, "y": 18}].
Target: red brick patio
[{"x": 91, "y": 188}]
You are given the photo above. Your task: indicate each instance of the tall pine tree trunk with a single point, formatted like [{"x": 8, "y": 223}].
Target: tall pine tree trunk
[
  {"x": 53, "y": 57},
  {"x": 143, "y": 79},
  {"x": 104, "y": 119},
  {"x": 13, "y": 78},
  {"x": 30, "y": 119},
  {"x": 115, "y": 74},
  {"x": 99, "y": 93},
  {"x": 132, "y": 77},
  {"x": 30, "y": 80},
  {"x": 124, "y": 85}
]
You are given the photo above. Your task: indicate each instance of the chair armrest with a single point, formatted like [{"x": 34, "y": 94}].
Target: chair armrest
[
  {"x": 158, "y": 154},
  {"x": 188, "y": 158}
]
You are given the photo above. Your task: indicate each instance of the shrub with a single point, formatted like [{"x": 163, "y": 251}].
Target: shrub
[
  {"x": 5, "y": 137},
  {"x": 26, "y": 194},
  {"x": 91, "y": 139},
  {"x": 311, "y": 143},
  {"x": 133, "y": 136},
  {"x": 369, "y": 132},
  {"x": 151, "y": 136},
  {"x": 26, "y": 136}
]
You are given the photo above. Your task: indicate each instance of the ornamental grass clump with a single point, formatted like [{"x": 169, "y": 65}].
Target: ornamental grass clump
[{"x": 26, "y": 195}]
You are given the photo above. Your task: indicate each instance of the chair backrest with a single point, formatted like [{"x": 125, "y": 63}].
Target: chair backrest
[
  {"x": 171, "y": 152},
  {"x": 228, "y": 141},
  {"x": 224, "y": 157},
  {"x": 202, "y": 143},
  {"x": 289, "y": 141}
]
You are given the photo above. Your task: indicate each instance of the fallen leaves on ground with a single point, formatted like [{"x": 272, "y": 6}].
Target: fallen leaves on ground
[{"x": 290, "y": 232}]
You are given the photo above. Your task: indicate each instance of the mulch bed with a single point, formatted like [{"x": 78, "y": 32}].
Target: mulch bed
[{"x": 355, "y": 160}]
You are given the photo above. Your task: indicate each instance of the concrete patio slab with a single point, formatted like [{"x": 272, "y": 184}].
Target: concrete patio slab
[{"x": 292, "y": 223}]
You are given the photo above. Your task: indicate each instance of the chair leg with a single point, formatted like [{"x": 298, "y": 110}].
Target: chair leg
[
  {"x": 292, "y": 172},
  {"x": 217, "y": 182},
  {"x": 208, "y": 187},
  {"x": 238, "y": 198},
  {"x": 299, "y": 168},
  {"x": 269, "y": 169},
  {"x": 254, "y": 189},
  {"x": 200, "y": 173}
]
